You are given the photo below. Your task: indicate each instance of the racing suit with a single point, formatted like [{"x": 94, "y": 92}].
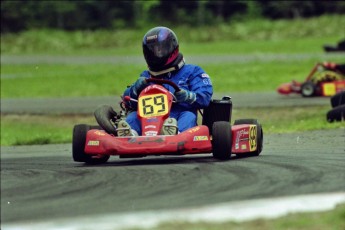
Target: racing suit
[{"x": 190, "y": 77}]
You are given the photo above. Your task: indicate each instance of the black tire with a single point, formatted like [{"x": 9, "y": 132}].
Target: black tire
[
  {"x": 259, "y": 134},
  {"x": 78, "y": 145},
  {"x": 338, "y": 99},
  {"x": 221, "y": 140},
  {"x": 104, "y": 115},
  {"x": 250, "y": 121},
  {"x": 336, "y": 114},
  {"x": 308, "y": 89}
]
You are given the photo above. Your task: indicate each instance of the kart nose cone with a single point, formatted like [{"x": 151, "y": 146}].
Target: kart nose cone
[{"x": 284, "y": 88}]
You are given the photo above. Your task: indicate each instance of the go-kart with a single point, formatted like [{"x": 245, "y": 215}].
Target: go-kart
[
  {"x": 95, "y": 144},
  {"x": 340, "y": 47},
  {"x": 325, "y": 79}
]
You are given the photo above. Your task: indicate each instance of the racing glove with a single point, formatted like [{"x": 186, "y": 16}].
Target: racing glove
[
  {"x": 185, "y": 96},
  {"x": 139, "y": 85}
]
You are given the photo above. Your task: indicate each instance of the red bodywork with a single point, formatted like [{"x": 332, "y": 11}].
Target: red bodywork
[
  {"x": 192, "y": 141},
  {"x": 157, "y": 100},
  {"x": 327, "y": 78}
]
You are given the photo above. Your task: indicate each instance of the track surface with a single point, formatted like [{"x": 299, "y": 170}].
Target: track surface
[
  {"x": 42, "y": 182},
  {"x": 87, "y": 105}
]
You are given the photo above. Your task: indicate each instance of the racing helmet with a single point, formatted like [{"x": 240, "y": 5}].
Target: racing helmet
[{"x": 161, "y": 51}]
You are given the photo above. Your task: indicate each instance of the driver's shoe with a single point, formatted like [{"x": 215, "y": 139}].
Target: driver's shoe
[
  {"x": 123, "y": 129},
  {"x": 169, "y": 127}
]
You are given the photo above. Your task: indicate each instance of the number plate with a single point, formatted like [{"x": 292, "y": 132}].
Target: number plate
[
  {"x": 252, "y": 138},
  {"x": 153, "y": 105}
]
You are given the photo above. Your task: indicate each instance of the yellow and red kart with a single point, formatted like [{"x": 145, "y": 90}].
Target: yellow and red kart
[
  {"x": 216, "y": 136},
  {"x": 325, "y": 79}
]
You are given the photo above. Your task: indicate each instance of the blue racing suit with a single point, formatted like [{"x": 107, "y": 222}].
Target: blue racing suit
[{"x": 190, "y": 77}]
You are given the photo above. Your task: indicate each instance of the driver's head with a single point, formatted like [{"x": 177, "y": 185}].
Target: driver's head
[{"x": 161, "y": 51}]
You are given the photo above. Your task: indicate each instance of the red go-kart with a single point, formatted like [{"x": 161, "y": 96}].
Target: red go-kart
[
  {"x": 95, "y": 144},
  {"x": 325, "y": 79}
]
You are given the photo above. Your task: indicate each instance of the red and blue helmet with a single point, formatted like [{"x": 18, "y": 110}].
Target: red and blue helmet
[{"x": 161, "y": 49}]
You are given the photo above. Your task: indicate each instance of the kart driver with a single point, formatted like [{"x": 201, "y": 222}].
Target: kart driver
[{"x": 164, "y": 61}]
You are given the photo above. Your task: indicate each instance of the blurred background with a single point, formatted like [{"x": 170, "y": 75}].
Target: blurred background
[
  {"x": 90, "y": 49},
  {"x": 17, "y": 16}
]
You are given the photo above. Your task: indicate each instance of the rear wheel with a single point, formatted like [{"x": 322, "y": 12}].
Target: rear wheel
[
  {"x": 78, "y": 146},
  {"x": 221, "y": 140},
  {"x": 259, "y": 134},
  {"x": 336, "y": 114},
  {"x": 338, "y": 99}
]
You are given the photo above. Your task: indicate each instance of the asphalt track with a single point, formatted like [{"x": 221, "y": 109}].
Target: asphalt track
[{"x": 43, "y": 183}]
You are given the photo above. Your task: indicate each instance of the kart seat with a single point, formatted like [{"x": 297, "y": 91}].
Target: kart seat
[{"x": 218, "y": 110}]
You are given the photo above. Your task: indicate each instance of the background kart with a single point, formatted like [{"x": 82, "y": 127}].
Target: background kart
[
  {"x": 325, "y": 79},
  {"x": 95, "y": 144}
]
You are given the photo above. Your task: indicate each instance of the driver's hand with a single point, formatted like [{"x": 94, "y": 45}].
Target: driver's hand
[
  {"x": 185, "y": 96},
  {"x": 140, "y": 84}
]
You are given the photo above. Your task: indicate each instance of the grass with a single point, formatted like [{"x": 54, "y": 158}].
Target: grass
[
  {"x": 36, "y": 129},
  {"x": 57, "y": 80},
  {"x": 331, "y": 220},
  {"x": 250, "y": 40},
  {"x": 254, "y": 35},
  {"x": 58, "y": 129}
]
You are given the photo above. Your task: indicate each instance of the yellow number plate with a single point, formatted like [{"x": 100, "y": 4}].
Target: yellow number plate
[
  {"x": 329, "y": 89},
  {"x": 153, "y": 105},
  {"x": 252, "y": 138}
]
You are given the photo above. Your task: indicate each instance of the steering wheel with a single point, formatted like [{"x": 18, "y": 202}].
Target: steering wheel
[{"x": 164, "y": 81}]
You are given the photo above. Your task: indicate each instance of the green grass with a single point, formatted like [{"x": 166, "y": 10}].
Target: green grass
[
  {"x": 331, "y": 220},
  {"x": 43, "y": 80},
  {"x": 35, "y": 129},
  {"x": 251, "y": 39},
  {"x": 259, "y": 35},
  {"x": 57, "y": 80}
]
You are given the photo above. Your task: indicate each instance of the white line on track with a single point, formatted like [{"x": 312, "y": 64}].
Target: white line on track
[{"x": 234, "y": 211}]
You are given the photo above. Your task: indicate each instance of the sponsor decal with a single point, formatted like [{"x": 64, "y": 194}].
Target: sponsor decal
[
  {"x": 150, "y": 127},
  {"x": 239, "y": 138},
  {"x": 205, "y": 75},
  {"x": 152, "y": 119},
  {"x": 252, "y": 137},
  {"x": 99, "y": 133},
  {"x": 141, "y": 140},
  {"x": 200, "y": 138},
  {"x": 93, "y": 143},
  {"x": 150, "y": 87},
  {"x": 206, "y": 82},
  {"x": 182, "y": 83},
  {"x": 151, "y": 133},
  {"x": 152, "y": 37},
  {"x": 193, "y": 130}
]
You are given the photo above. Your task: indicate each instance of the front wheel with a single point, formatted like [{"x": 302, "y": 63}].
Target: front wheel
[
  {"x": 308, "y": 89},
  {"x": 78, "y": 146},
  {"x": 221, "y": 140},
  {"x": 104, "y": 115}
]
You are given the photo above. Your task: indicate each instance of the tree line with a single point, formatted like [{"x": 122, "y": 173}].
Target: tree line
[{"x": 19, "y": 15}]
